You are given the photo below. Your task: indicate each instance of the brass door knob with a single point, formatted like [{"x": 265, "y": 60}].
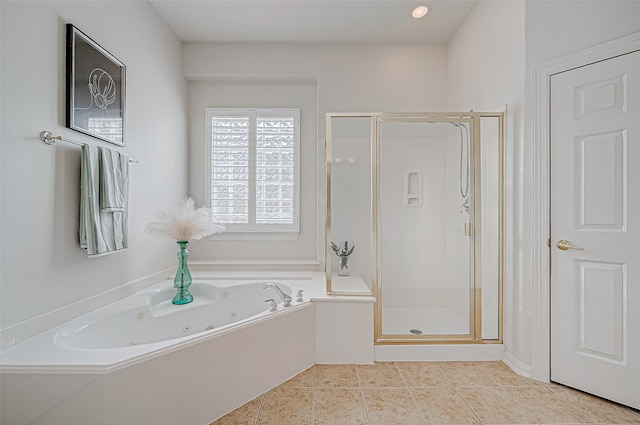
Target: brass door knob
[{"x": 565, "y": 245}]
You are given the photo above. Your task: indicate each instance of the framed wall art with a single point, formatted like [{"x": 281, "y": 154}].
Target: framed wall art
[{"x": 95, "y": 89}]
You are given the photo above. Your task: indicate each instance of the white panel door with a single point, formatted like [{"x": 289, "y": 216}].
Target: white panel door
[{"x": 595, "y": 228}]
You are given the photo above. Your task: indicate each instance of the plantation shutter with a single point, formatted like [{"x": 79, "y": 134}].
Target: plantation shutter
[
  {"x": 275, "y": 143},
  {"x": 254, "y": 169},
  {"x": 230, "y": 169}
]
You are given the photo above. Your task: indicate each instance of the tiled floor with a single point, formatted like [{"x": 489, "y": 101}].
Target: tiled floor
[{"x": 422, "y": 393}]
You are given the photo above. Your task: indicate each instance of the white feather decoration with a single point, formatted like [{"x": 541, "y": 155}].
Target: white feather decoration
[{"x": 185, "y": 222}]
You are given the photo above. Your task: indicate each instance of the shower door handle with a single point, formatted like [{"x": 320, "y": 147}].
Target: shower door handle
[{"x": 565, "y": 245}]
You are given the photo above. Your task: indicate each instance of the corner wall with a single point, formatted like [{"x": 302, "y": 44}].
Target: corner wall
[
  {"x": 43, "y": 268},
  {"x": 486, "y": 71}
]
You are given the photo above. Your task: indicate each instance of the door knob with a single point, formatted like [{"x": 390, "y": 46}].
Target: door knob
[{"x": 565, "y": 245}]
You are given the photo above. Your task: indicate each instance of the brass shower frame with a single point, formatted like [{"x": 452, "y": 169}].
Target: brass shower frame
[{"x": 475, "y": 285}]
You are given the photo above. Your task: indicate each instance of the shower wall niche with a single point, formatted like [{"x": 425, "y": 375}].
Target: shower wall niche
[{"x": 418, "y": 200}]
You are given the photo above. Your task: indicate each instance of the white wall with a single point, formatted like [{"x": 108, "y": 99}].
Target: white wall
[
  {"x": 358, "y": 78},
  {"x": 255, "y": 92},
  {"x": 555, "y": 29},
  {"x": 43, "y": 267},
  {"x": 490, "y": 61},
  {"x": 486, "y": 71}
]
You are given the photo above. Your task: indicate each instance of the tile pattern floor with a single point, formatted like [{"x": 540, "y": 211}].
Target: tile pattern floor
[{"x": 423, "y": 393}]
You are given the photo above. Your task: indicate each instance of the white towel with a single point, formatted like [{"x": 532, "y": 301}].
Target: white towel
[{"x": 101, "y": 232}]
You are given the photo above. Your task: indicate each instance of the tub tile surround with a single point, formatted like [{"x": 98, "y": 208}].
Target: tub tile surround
[{"x": 423, "y": 393}]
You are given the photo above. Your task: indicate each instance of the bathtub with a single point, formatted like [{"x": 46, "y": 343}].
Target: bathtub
[
  {"x": 145, "y": 360},
  {"x": 152, "y": 320}
]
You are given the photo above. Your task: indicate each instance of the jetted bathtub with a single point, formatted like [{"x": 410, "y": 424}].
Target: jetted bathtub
[{"x": 145, "y": 360}]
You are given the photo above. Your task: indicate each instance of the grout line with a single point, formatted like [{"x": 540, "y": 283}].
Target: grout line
[
  {"x": 366, "y": 407},
  {"x": 313, "y": 404},
  {"x": 363, "y": 397},
  {"x": 264, "y": 395},
  {"x": 468, "y": 405},
  {"x": 358, "y": 376},
  {"x": 385, "y": 388},
  {"x": 400, "y": 373},
  {"x": 313, "y": 395},
  {"x": 520, "y": 405},
  {"x": 408, "y": 388}
]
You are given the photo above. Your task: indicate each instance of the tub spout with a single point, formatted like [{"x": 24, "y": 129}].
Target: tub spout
[{"x": 286, "y": 298}]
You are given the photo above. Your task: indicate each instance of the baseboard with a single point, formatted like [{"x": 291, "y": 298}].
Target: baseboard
[{"x": 516, "y": 365}]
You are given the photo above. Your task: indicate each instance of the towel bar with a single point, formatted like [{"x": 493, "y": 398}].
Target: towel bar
[{"x": 49, "y": 139}]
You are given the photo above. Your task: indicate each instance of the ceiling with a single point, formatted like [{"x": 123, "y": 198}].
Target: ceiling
[{"x": 312, "y": 21}]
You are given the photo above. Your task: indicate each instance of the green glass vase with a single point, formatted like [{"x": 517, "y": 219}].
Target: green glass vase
[{"x": 182, "y": 281}]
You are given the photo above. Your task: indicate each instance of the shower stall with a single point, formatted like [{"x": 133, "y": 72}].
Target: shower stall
[{"x": 414, "y": 203}]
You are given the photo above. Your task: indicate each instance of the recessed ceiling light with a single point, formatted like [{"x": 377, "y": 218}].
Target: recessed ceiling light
[{"x": 420, "y": 10}]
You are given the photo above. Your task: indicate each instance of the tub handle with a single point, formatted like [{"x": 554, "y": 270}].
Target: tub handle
[
  {"x": 299, "y": 296},
  {"x": 274, "y": 305}
]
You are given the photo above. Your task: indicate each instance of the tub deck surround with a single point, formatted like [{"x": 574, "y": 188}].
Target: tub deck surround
[{"x": 191, "y": 385}]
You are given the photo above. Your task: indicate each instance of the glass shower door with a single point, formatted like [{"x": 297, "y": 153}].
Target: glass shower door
[{"x": 425, "y": 216}]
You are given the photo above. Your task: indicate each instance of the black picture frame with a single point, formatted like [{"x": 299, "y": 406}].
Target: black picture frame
[{"x": 95, "y": 89}]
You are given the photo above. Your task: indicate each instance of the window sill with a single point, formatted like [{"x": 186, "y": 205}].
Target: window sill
[{"x": 256, "y": 236}]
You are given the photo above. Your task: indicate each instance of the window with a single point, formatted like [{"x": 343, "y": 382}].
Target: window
[{"x": 254, "y": 169}]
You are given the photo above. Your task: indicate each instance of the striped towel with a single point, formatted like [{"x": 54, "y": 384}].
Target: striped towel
[
  {"x": 102, "y": 231},
  {"x": 114, "y": 180}
]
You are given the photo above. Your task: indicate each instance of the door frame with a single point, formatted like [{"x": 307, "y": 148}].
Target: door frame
[{"x": 541, "y": 185}]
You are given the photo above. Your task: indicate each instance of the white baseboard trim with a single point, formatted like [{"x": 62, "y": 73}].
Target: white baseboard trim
[
  {"x": 516, "y": 365},
  {"x": 444, "y": 352},
  {"x": 19, "y": 332}
]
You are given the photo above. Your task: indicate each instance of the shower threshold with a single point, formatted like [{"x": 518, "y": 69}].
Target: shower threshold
[{"x": 423, "y": 321}]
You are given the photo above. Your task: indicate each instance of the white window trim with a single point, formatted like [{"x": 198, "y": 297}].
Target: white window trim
[{"x": 257, "y": 231}]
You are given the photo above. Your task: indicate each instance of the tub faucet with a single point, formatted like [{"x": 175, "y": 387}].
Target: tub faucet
[
  {"x": 274, "y": 305},
  {"x": 286, "y": 298}
]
